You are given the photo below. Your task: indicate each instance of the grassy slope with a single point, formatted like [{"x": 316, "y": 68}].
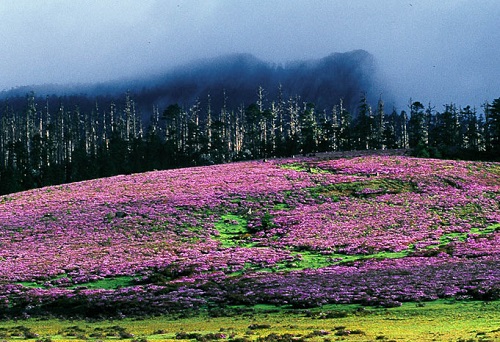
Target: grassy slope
[{"x": 436, "y": 321}]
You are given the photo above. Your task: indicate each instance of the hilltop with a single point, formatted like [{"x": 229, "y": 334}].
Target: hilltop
[{"x": 299, "y": 232}]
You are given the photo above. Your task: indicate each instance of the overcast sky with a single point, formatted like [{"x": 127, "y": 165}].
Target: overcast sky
[{"x": 439, "y": 51}]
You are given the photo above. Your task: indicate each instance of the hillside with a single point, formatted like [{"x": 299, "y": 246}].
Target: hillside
[{"x": 373, "y": 230}]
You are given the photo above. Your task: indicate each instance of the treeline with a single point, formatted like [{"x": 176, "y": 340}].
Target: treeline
[{"x": 43, "y": 143}]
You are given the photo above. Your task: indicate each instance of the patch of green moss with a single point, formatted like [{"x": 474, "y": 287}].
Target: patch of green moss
[
  {"x": 281, "y": 206},
  {"x": 233, "y": 231},
  {"x": 314, "y": 260},
  {"x": 362, "y": 189},
  {"x": 311, "y": 259},
  {"x": 447, "y": 238},
  {"x": 31, "y": 284},
  {"x": 108, "y": 283},
  {"x": 105, "y": 284},
  {"x": 303, "y": 167}
]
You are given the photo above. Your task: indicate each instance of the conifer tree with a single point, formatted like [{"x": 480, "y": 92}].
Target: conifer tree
[
  {"x": 493, "y": 125},
  {"x": 308, "y": 129}
]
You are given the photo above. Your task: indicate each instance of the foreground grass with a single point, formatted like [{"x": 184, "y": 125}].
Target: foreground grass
[{"x": 433, "y": 321}]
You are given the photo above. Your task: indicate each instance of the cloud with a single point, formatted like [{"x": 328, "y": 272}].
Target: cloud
[{"x": 438, "y": 51}]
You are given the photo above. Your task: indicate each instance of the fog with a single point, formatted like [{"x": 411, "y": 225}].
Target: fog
[{"x": 432, "y": 51}]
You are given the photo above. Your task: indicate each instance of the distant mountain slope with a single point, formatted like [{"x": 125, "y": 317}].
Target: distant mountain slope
[{"x": 323, "y": 81}]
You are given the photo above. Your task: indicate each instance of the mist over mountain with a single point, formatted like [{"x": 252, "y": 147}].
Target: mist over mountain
[{"x": 237, "y": 76}]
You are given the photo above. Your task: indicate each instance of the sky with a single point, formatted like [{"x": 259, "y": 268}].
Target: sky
[{"x": 445, "y": 51}]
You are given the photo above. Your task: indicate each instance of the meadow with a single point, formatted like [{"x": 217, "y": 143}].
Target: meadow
[
  {"x": 370, "y": 244},
  {"x": 441, "y": 320}
]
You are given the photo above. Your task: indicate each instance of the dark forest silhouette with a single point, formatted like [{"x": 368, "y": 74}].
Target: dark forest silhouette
[{"x": 52, "y": 141}]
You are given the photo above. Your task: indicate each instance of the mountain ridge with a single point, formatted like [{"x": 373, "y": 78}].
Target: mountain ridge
[{"x": 322, "y": 81}]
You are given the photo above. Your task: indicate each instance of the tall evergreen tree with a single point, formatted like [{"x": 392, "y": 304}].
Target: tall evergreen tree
[
  {"x": 308, "y": 129},
  {"x": 363, "y": 129},
  {"x": 493, "y": 125},
  {"x": 418, "y": 130}
]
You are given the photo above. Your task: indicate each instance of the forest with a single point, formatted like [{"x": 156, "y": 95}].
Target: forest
[{"x": 55, "y": 140}]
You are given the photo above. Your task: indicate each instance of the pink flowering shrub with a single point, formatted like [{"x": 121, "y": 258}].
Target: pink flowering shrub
[{"x": 387, "y": 229}]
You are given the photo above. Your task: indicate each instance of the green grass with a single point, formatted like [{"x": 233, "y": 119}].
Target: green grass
[
  {"x": 368, "y": 188},
  {"x": 488, "y": 230},
  {"x": 281, "y": 206},
  {"x": 432, "y": 321},
  {"x": 312, "y": 259},
  {"x": 446, "y": 239},
  {"x": 106, "y": 283},
  {"x": 303, "y": 167},
  {"x": 378, "y": 185},
  {"x": 233, "y": 231}
]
